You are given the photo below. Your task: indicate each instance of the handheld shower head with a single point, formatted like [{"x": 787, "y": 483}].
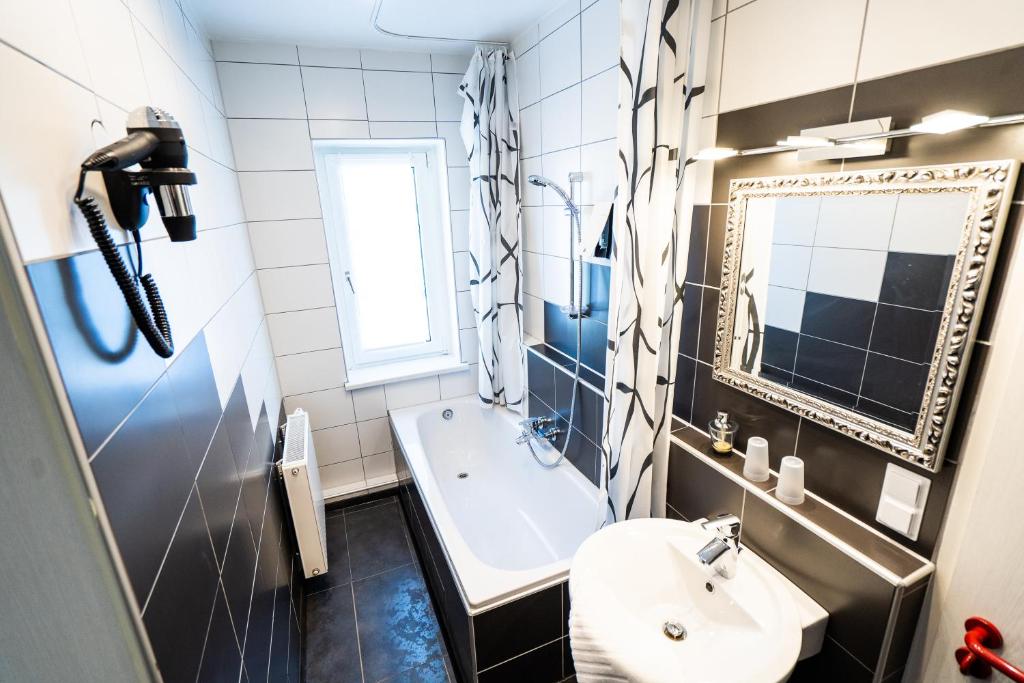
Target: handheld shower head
[{"x": 541, "y": 181}]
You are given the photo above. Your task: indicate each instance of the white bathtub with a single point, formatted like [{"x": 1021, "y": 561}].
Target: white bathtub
[{"x": 509, "y": 527}]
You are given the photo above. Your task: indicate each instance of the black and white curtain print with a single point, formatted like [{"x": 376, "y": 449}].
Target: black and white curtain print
[
  {"x": 663, "y": 57},
  {"x": 490, "y": 132}
]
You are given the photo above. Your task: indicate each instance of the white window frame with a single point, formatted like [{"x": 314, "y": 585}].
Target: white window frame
[{"x": 441, "y": 352}]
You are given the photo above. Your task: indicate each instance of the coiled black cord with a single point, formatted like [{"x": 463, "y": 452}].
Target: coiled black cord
[{"x": 151, "y": 321}]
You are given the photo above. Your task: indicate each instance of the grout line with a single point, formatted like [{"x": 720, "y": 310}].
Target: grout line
[{"x": 532, "y": 649}]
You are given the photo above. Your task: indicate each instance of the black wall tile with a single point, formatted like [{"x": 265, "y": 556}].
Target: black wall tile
[
  {"x": 897, "y": 418},
  {"x": 708, "y": 321},
  {"x": 594, "y": 344},
  {"x": 688, "y": 334},
  {"x": 716, "y": 244},
  {"x": 894, "y": 382},
  {"x": 906, "y": 333},
  {"x": 239, "y": 570},
  {"x": 221, "y": 658},
  {"x": 838, "y": 319},
  {"x": 832, "y": 664},
  {"x": 698, "y": 250},
  {"x": 903, "y": 632},
  {"x": 856, "y": 599},
  {"x": 543, "y": 665},
  {"x": 916, "y": 280},
  {"x": 559, "y": 330},
  {"x": 541, "y": 378},
  {"x": 779, "y": 348},
  {"x": 178, "y": 612},
  {"x": 220, "y": 488},
  {"x": 279, "y": 640},
  {"x": 512, "y": 629},
  {"x": 239, "y": 426},
  {"x": 145, "y": 475},
  {"x": 195, "y": 396},
  {"x": 105, "y": 363},
  {"x": 256, "y": 649},
  {"x": 600, "y": 290},
  {"x": 697, "y": 490},
  {"x": 682, "y": 400},
  {"x": 589, "y": 414},
  {"x": 833, "y": 364},
  {"x": 837, "y": 396}
]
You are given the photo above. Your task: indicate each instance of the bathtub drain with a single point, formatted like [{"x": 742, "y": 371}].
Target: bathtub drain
[{"x": 463, "y": 475}]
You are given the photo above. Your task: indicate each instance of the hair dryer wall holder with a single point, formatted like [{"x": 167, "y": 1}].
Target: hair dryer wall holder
[{"x": 128, "y": 193}]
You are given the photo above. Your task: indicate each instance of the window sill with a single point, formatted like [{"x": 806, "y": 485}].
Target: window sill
[{"x": 396, "y": 372}]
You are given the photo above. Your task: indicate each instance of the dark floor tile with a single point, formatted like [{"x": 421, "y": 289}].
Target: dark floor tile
[
  {"x": 338, "y": 572},
  {"x": 221, "y": 658},
  {"x": 332, "y": 642},
  {"x": 543, "y": 665},
  {"x": 514, "y": 628},
  {"x": 397, "y": 627},
  {"x": 916, "y": 280},
  {"x": 104, "y": 362},
  {"x": 178, "y": 612},
  {"x": 145, "y": 476},
  {"x": 195, "y": 396},
  {"x": 434, "y": 671},
  {"x": 377, "y": 540},
  {"x": 906, "y": 333},
  {"x": 838, "y": 319},
  {"x": 219, "y": 487}
]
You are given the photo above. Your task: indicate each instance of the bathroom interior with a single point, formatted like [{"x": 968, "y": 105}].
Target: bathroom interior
[{"x": 486, "y": 341}]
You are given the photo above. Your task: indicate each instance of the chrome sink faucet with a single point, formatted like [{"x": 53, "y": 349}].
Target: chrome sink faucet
[
  {"x": 722, "y": 552},
  {"x": 537, "y": 428}
]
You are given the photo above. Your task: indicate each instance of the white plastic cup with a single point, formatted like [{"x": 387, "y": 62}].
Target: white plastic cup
[
  {"x": 791, "y": 481},
  {"x": 755, "y": 468}
]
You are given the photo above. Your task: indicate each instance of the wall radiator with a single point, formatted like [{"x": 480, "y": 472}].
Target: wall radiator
[{"x": 305, "y": 497}]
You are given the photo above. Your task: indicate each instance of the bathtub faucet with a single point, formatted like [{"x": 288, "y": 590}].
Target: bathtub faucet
[{"x": 537, "y": 428}]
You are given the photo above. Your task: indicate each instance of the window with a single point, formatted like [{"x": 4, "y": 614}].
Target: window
[{"x": 386, "y": 215}]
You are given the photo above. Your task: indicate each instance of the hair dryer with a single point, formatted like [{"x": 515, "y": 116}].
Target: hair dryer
[{"x": 156, "y": 143}]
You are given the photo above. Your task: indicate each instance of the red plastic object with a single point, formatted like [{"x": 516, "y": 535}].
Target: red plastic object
[{"x": 977, "y": 659}]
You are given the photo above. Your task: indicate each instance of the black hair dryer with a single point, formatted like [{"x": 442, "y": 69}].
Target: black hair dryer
[{"x": 156, "y": 143}]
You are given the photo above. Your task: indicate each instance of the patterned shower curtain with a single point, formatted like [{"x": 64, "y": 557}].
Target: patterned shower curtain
[
  {"x": 663, "y": 50},
  {"x": 491, "y": 135}
]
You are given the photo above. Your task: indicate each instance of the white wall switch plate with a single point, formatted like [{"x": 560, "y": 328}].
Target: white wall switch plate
[{"x": 901, "y": 505}]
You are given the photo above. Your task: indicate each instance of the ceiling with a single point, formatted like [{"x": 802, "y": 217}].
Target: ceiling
[{"x": 348, "y": 22}]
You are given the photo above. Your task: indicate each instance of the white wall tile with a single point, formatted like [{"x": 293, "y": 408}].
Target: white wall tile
[
  {"x": 560, "y": 59},
  {"x": 399, "y": 96},
  {"x": 278, "y": 195},
  {"x": 111, "y": 53},
  {"x": 455, "y": 150},
  {"x": 557, "y": 17},
  {"x": 557, "y": 232},
  {"x": 334, "y": 93},
  {"x": 847, "y": 272},
  {"x": 929, "y": 223},
  {"x": 556, "y": 280},
  {"x": 374, "y": 436},
  {"x": 862, "y": 222},
  {"x": 534, "y": 311},
  {"x": 600, "y": 106},
  {"x": 393, "y": 60},
  {"x": 288, "y": 243},
  {"x": 785, "y": 308},
  {"x": 412, "y": 392},
  {"x": 265, "y": 53},
  {"x": 302, "y": 331},
  {"x": 229, "y": 336},
  {"x": 796, "y": 219},
  {"x": 370, "y": 403},
  {"x": 533, "y": 228},
  {"x": 533, "y": 274},
  {"x": 526, "y": 40},
  {"x": 600, "y": 29},
  {"x": 59, "y": 46},
  {"x": 530, "y": 130},
  {"x": 379, "y": 468},
  {"x": 560, "y": 120},
  {"x": 528, "y": 75},
  {"x": 296, "y": 288},
  {"x": 329, "y": 56},
  {"x": 819, "y": 50},
  {"x": 403, "y": 129},
  {"x": 469, "y": 345},
  {"x": 345, "y": 476},
  {"x": 327, "y": 408},
  {"x": 460, "y": 230},
  {"x": 271, "y": 144},
  {"x": 162, "y": 74},
  {"x": 458, "y": 188},
  {"x": 262, "y": 91},
  {"x": 789, "y": 266},
  {"x": 336, "y": 444},
  {"x": 713, "y": 75},
  {"x": 449, "y": 64},
  {"x": 462, "y": 271},
  {"x": 303, "y": 373},
  {"x": 911, "y": 34},
  {"x": 532, "y": 195},
  {"x": 255, "y": 370},
  {"x": 219, "y": 135},
  {"x": 462, "y": 383},
  {"x": 447, "y": 98},
  {"x": 557, "y": 166},
  {"x": 464, "y": 304},
  {"x": 338, "y": 129}
]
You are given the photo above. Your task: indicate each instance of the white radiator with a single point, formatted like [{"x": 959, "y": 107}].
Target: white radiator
[{"x": 305, "y": 497}]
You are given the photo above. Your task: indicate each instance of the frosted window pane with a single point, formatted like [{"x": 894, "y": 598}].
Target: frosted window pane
[{"x": 387, "y": 258}]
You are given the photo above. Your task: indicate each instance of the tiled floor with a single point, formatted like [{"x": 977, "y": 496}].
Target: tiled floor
[{"x": 369, "y": 619}]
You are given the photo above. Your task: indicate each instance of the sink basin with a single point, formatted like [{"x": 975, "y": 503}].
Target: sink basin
[{"x": 637, "y": 586}]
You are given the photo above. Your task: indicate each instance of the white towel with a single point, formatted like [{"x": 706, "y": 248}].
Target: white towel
[{"x": 590, "y": 659}]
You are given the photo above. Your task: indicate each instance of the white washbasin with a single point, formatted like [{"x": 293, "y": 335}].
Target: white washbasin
[{"x": 629, "y": 579}]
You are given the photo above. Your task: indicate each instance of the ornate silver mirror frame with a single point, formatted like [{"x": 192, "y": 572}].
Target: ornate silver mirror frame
[{"x": 990, "y": 188}]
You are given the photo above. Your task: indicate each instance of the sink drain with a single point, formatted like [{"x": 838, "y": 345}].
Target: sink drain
[
  {"x": 462, "y": 475},
  {"x": 674, "y": 630}
]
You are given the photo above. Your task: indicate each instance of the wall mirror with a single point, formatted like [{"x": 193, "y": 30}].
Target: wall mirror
[{"x": 851, "y": 298}]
